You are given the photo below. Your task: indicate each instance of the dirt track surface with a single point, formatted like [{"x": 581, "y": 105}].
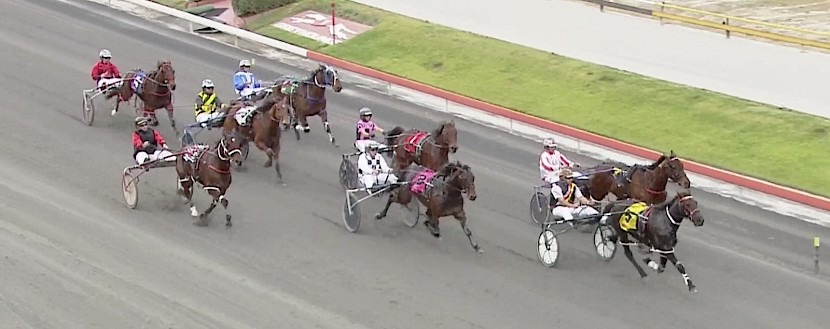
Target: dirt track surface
[{"x": 74, "y": 257}]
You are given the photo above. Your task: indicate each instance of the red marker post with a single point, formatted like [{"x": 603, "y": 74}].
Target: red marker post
[{"x": 333, "y": 32}]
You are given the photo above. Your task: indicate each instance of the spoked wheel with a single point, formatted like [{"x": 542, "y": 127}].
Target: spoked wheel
[
  {"x": 539, "y": 211},
  {"x": 548, "y": 250},
  {"x": 351, "y": 215},
  {"x": 130, "y": 189},
  {"x": 604, "y": 242},
  {"x": 348, "y": 174},
  {"x": 88, "y": 109},
  {"x": 411, "y": 213}
]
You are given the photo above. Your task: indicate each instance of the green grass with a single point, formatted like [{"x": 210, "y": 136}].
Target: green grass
[
  {"x": 780, "y": 146},
  {"x": 178, "y": 4}
]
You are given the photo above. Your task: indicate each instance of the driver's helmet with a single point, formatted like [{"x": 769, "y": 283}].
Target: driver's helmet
[
  {"x": 104, "y": 54},
  {"x": 372, "y": 146},
  {"x": 245, "y": 63},
  {"x": 565, "y": 173},
  {"x": 365, "y": 111},
  {"x": 140, "y": 120},
  {"x": 549, "y": 142},
  {"x": 207, "y": 83}
]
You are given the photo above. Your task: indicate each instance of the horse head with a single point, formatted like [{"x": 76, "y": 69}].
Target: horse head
[
  {"x": 167, "y": 73},
  {"x": 447, "y": 136},
  {"x": 676, "y": 171},
  {"x": 329, "y": 77},
  {"x": 230, "y": 145},
  {"x": 689, "y": 206},
  {"x": 463, "y": 177}
]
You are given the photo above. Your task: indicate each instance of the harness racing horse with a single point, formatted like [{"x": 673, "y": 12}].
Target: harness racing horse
[
  {"x": 654, "y": 226},
  {"x": 647, "y": 183},
  {"x": 309, "y": 99},
  {"x": 212, "y": 169},
  {"x": 155, "y": 89},
  {"x": 425, "y": 149},
  {"x": 443, "y": 198},
  {"x": 263, "y": 130}
]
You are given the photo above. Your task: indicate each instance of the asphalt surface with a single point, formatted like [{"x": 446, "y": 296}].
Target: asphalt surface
[
  {"x": 785, "y": 76},
  {"x": 73, "y": 256}
]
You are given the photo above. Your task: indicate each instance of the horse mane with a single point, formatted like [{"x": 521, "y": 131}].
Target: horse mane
[
  {"x": 314, "y": 73},
  {"x": 657, "y": 163},
  {"x": 450, "y": 167},
  {"x": 393, "y": 134},
  {"x": 437, "y": 132}
]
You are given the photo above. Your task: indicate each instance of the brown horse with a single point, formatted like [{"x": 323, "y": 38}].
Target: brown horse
[
  {"x": 309, "y": 99},
  {"x": 263, "y": 130},
  {"x": 425, "y": 149},
  {"x": 644, "y": 183},
  {"x": 443, "y": 198},
  {"x": 655, "y": 227},
  {"x": 155, "y": 91},
  {"x": 212, "y": 169}
]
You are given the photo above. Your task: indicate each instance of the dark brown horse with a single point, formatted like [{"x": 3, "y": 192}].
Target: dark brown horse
[
  {"x": 156, "y": 91},
  {"x": 211, "y": 169},
  {"x": 309, "y": 99},
  {"x": 655, "y": 227},
  {"x": 425, "y": 149},
  {"x": 444, "y": 197},
  {"x": 647, "y": 183},
  {"x": 263, "y": 130}
]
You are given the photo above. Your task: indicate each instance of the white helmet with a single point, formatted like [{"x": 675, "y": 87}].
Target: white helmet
[
  {"x": 206, "y": 83},
  {"x": 104, "y": 53},
  {"x": 244, "y": 62},
  {"x": 372, "y": 146},
  {"x": 549, "y": 142},
  {"x": 140, "y": 120},
  {"x": 365, "y": 111}
]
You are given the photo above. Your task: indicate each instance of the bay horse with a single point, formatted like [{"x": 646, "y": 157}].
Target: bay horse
[
  {"x": 264, "y": 130},
  {"x": 211, "y": 169},
  {"x": 656, "y": 227},
  {"x": 156, "y": 91},
  {"x": 647, "y": 183},
  {"x": 309, "y": 99},
  {"x": 431, "y": 150},
  {"x": 443, "y": 198}
]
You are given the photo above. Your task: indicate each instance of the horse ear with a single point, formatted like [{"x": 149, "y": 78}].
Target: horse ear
[{"x": 672, "y": 154}]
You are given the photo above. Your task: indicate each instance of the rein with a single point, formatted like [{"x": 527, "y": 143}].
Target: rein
[
  {"x": 688, "y": 214},
  {"x": 226, "y": 158}
]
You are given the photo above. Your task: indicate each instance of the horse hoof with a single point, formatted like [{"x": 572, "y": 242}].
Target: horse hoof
[
  {"x": 268, "y": 164},
  {"x": 378, "y": 216},
  {"x": 692, "y": 289},
  {"x": 479, "y": 250}
]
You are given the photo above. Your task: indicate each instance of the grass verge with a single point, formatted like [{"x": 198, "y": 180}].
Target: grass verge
[{"x": 785, "y": 147}]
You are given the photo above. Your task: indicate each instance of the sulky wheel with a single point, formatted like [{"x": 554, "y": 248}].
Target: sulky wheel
[
  {"x": 351, "y": 218},
  {"x": 88, "y": 110},
  {"x": 411, "y": 212},
  {"x": 548, "y": 248},
  {"x": 539, "y": 211},
  {"x": 129, "y": 186},
  {"x": 605, "y": 242}
]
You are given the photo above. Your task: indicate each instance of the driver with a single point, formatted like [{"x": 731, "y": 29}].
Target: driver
[
  {"x": 244, "y": 81},
  {"x": 373, "y": 169},
  {"x": 365, "y": 130},
  {"x": 206, "y": 104},
  {"x": 567, "y": 200},
  {"x": 146, "y": 142},
  {"x": 551, "y": 161},
  {"x": 104, "y": 72}
]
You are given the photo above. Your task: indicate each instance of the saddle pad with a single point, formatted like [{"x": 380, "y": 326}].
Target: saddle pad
[
  {"x": 420, "y": 181},
  {"x": 243, "y": 115},
  {"x": 630, "y": 219},
  {"x": 192, "y": 152},
  {"x": 415, "y": 141},
  {"x": 138, "y": 80}
]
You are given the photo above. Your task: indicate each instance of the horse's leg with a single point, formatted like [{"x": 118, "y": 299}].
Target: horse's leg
[
  {"x": 462, "y": 219},
  {"x": 169, "y": 108},
  {"x": 224, "y": 201},
  {"x": 324, "y": 118},
  {"x": 275, "y": 153},
  {"x": 432, "y": 224},
  {"x": 682, "y": 270},
  {"x": 260, "y": 144},
  {"x": 663, "y": 261},
  {"x": 389, "y": 201},
  {"x": 187, "y": 193},
  {"x": 215, "y": 193},
  {"x": 624, "y": 242}
]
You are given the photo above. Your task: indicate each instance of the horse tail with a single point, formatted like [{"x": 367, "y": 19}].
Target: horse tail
[{"x": 393, "y": 134}]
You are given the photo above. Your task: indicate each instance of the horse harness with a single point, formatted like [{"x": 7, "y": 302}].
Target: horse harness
[{"x": 643, "y": 216}]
